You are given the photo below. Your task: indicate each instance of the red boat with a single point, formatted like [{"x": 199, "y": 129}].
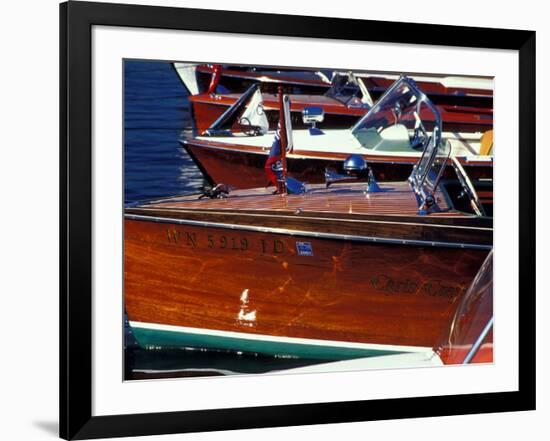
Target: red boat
[
  {"x": 342, "y": 107},
  {"x": 210, "y": 78},
  {"x": 224, "y": 79},
  {"x": 464, "y": 109},
  {"x": 386, "y": 137}
]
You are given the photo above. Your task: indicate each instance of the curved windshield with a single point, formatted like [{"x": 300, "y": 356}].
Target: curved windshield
[
  {"x": 469, "y": 335},
  {"x": 405, "y": 120},
  {"x": 349, "y": 90},
  {"x": 402, "y": 120}
]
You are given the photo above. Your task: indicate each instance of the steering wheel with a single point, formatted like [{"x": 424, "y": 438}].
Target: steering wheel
[
  {"x": 418, "y": 138},
  {"x": 246, "y": 126}
]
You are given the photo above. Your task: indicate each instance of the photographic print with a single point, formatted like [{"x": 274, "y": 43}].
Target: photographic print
[
  {"x": 278, "y": 238},
  {"x": 290, "y": 220}
]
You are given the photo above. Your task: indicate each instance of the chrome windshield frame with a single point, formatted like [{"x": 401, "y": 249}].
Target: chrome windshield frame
[
  {"x": 422, "y": 184},
  {"x": 421, "y": 98}
]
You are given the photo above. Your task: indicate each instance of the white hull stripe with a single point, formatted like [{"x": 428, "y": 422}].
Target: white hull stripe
[{"x": 387, "y": 156}]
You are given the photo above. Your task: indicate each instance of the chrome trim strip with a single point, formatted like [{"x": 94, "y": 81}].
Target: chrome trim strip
[
  {"x": 318, "y": 235},
  {"x": 284, "y": 216},
  {"x": 296, "y": 154},
  {"x": 313, "y": 154},
  {"x": 477, "y": 343}
]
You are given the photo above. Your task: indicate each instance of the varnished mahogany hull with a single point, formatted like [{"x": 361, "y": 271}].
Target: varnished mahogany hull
[
  {"x": 205, "y": 113},
  {"x": 257, "y": 283},
  {"x": 245, "y": 168},
  {"x": 207, "y": 109},
  {"x": 238, "y": 81}
]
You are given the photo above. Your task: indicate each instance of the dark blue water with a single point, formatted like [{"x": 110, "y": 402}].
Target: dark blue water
[{"x": 156, "y": 115}]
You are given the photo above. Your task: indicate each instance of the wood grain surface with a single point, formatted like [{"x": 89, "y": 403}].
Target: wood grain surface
[{"x": 223, "y": 279}]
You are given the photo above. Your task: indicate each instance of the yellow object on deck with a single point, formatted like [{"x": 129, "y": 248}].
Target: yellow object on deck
[{"x": 486, "y": 147}]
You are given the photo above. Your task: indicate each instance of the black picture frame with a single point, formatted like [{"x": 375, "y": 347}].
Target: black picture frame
[{"x": 76, "y": 21}]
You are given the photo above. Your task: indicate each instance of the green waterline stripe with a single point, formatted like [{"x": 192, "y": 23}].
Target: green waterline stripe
[{"x": 168, "y": 339}]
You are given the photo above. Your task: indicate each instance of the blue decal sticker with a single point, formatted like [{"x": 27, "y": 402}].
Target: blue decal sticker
[{"x": 304, "y": 249}]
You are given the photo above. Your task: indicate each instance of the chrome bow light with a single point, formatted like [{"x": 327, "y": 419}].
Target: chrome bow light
[
  {"x": 355, "y": 168},
  {"x": 355, "y": 165}
]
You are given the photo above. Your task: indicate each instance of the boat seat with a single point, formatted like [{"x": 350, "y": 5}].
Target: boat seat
[{"x": 486, "y": 147}]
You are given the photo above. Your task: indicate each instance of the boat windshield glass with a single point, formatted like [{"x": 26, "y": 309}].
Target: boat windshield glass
[
  {"x": 403, "y": 119},
  {"x": 347, "y": 89}
]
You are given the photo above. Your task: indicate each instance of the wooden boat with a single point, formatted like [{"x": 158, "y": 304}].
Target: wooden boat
[
  {"x": 468, "y": 338},
  {"x": 210, "y": 78},
  {"x": 343, "y": 104},
  {"x": 441, "y": 89},
  {"x": 223, "y": 79},
  {"x": 388, "y": 141},
  {"x": 348, "y": 269}
]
